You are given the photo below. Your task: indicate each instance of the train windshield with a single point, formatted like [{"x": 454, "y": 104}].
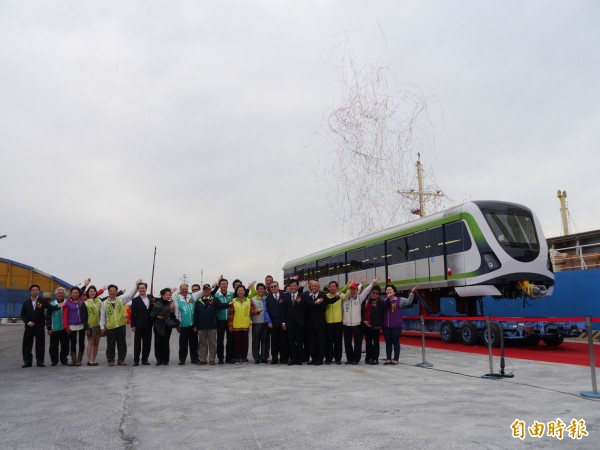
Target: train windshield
[{"x": 514, "y": 230}]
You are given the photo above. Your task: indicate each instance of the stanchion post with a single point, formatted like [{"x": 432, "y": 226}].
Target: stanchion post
[
  {"x": 594, "y": 393},
  {"x": 502, "y": 365},
  {"x": 424, "y": 362}
]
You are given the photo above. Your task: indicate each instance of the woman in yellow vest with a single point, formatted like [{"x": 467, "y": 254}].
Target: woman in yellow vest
[
  {"x": 239, "y": 323},
  {"x": 93, "y": 306}
]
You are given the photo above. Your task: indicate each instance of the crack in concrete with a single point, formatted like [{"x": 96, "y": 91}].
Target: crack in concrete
[{"x": 127, "y": 400}]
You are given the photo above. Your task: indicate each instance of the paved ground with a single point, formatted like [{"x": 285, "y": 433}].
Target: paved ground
[{"x": 264, "y": 406}]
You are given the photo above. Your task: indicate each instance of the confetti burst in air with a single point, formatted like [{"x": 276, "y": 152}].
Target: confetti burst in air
[{"x": 378, "y": 128}]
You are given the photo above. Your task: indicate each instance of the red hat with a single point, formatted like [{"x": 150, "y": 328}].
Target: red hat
[{"x": 354, "y": 286}]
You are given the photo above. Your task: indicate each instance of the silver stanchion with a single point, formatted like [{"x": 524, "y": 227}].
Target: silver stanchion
[
  {"x": 488, "y": 325},
  {"x": 424, "y": 363},
  {"x": 594, "y": 393}
]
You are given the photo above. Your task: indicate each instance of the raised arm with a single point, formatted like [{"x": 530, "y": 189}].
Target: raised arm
[
  {"x": 402, "y": 301},
  {"x": 364, "y": 294},
  {"x": 127, "y": 297}
]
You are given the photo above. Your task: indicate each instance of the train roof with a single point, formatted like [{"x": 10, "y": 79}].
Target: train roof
[{"x": 383, "y": 234}]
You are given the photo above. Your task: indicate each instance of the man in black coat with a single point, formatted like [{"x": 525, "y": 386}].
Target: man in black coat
[
  {"x": 275, "y": 318},
  {"x": 141, "y": 324},
  {"x": 33, "y": 315},
  {"x": 315, "y": 308},
  {"x": 294, "y": 307}
]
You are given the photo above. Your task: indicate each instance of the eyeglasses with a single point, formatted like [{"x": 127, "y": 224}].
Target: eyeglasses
[{"x": 274, "y": 286}]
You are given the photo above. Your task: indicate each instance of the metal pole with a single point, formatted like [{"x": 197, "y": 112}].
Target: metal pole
[
  {"x": 489, "y": 339},
  {"x": 152, "y": 280},
  {"x": 594, "y": 393},
  {"x": 488, "y": 324},
  {"x": 424, "y": 363},
  {"x": 502, "y": 365}
]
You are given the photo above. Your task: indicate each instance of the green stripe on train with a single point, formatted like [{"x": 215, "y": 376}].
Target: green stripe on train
[{"x": 468, "y": 218}]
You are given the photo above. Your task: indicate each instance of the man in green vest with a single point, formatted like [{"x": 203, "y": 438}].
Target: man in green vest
[
  {"x": 184, "y": 311},
  {"x": 56, "y": 331},
  {"x": 112, "y": 323}
]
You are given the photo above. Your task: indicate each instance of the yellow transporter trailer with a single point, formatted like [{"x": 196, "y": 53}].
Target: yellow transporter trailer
[{"x": 15, "y": 279}]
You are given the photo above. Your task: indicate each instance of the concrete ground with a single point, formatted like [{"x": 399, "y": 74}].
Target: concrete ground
[{"x": 263, "y": 406}]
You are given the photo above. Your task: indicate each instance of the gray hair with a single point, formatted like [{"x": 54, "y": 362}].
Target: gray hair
[{"x": 60, "y": 289}]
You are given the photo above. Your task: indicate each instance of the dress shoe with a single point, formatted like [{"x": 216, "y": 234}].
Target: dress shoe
[
  {"x": 203, "y": 363},
  {"x": 264, "y": 361},
  {"x": 121, "y": 363},
  {"x": 54, "y": 364},
  {"x": 274, "y": 362},
  {"x": 145, "y": 363},
  {"x": 339, "y": 363},
  {"x": 212, "y": 363},
  {"x": 257, "y": 361},
  {"x": 111, "y": 363},
  {"x": 327, "y": 362},
  {"x": 318, "y": 364},
  {"x": 299, "y": 363},
  {"x": 354, "y": 363},
  {"x": 310, "y": 363},
  {"x": 135, "y": 364},
  {"x": 181, "y": 363},
  {"x": 26, "y": 365},
  {"x": 348, "y": 363},
  {"x": 158, "y": 363},
  {"x": 290, "y": 363},
  {"x": 41, "y": 365},
  {"x": 220, "y": 361}
]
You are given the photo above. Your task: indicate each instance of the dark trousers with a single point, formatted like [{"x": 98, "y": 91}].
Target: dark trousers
[
  {"x": 142, "y": 341},
  {"x": 306, "y": 343},
  {"x": 29, "y": 335},
  {"x": 353, "y": 335},
  {"x": 317, "y": 343},
  {"x": 333, "y": 341},
  {"x": 73, "y": 339},
  {"x": 116, "y": 336},
  {"x": 295, "y": 334},
  {"x": 279, "y": 344},
  {"x": 260, "y": 342},
  {"x": 188, "y": 339},
  {"x": 240, "y": 338},
  {"x": 57, "y": 338},
  {"x": 162, "y": 350},
  {"x": 392, "y": 339},
  {"x": 224, "y": 351},
  {"x": 372, "y": 343}
]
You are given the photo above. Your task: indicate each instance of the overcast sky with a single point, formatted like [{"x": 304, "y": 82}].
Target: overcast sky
[{"x": 199, "y": 127}]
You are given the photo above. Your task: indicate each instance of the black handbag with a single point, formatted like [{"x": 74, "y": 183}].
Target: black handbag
[{"x": 172, "y": 322}]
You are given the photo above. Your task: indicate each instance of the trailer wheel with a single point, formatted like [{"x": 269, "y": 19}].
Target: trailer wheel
[
  {"x": 447, "y": 332},
  {"x": 469, "y": 333},
  {"x": 532, "y": 340},
  {"x": 553, "y": 341},
  {"x": 495, "y": 330}
]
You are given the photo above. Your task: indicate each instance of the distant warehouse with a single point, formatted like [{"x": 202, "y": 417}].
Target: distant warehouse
[{"x": 15, "y": 279}]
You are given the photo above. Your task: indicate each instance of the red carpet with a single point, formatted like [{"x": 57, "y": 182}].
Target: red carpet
[{"x": 567, "y": 353}]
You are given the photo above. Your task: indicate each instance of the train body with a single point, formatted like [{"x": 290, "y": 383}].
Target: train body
[{"x": 477, "y": 249}]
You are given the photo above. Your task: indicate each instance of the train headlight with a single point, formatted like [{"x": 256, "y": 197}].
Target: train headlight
[{"x": 491, "y": 261}]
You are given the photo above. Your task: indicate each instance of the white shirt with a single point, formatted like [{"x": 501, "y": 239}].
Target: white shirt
[{"x": 146, "y": 301}]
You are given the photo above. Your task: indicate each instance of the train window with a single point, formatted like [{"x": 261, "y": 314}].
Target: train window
[
  {"x": 323, "y": 267},
  {"x": 457, "y": 238},
  {"x": 435, "y": 241},
  {"x": 420, "y": 251},
  {"x": 400, "y": 250},
  {"x": 287, "y": 275},
  {"x": 368, "y": 261},
  {"x": 355, "y": 259},
  {"x": 310, "y": 270},
  {"x": 337, "y": 265},
  {"x": 378, "y": 258},
  {"x": 300, "y": 272}
]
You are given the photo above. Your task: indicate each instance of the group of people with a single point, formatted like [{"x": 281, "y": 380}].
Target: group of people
[{"x": 302, "y": 323}]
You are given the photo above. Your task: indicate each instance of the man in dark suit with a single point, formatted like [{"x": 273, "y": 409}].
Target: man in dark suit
[
  {"x": 141, "y": 324},
  {"x": 275, "y": 317},
  {"x": 33, "y": 315},
  {"x": 294, "y": 307},
  {"x": 315, "y": 308}
]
